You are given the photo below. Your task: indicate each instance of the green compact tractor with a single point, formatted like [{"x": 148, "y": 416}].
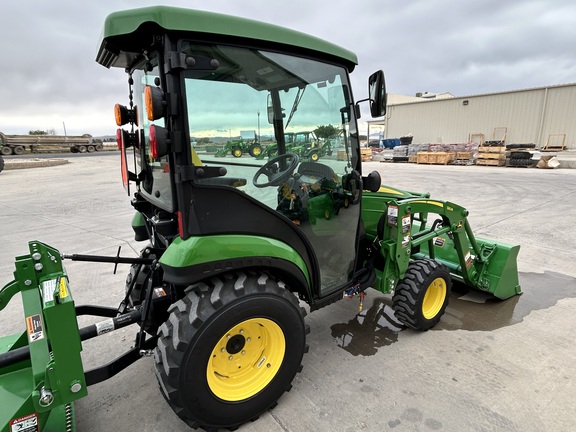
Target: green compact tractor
[
  {"x": 305, "y": 145},
  {"x": 230, "y": 248},
  {"x": 246, "y": 144}
]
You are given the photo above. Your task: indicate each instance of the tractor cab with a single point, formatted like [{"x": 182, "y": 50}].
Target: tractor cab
[{"x": 190, "y": 80}]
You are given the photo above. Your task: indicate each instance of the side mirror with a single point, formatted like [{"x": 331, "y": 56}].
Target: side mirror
[
  {"x": 377, "y": 92},
  {"x": 372, "y": 181}
]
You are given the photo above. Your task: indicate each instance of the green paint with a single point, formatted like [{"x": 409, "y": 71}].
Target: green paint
[
  {"x": 49, "y": 314},
  {"x": 200, "y": 250},
  {"x": 481, "y": 264},
  {"x": 123, "y": 29}
]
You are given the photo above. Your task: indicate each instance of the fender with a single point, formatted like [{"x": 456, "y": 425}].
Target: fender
[{"x": 198, "y": 257}]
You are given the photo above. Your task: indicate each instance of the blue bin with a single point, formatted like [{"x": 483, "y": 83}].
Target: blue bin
[{"x": 391, "y": 142}]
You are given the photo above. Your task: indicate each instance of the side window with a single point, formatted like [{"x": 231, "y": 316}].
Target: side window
[{"x": 156, "y": 184}]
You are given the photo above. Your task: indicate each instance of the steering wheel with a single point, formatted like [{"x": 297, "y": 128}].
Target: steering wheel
[{"x": 271, "y": 169}]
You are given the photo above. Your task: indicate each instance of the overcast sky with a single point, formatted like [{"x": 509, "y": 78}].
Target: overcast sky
[{"x": 49, "y": 78}]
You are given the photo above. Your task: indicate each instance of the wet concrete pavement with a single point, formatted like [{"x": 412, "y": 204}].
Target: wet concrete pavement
[{"x": 487, "y": 366}]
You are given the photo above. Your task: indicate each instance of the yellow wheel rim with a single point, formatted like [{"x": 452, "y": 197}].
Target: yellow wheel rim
[
  {"x": 237, "y": 153},
  {"x": 246, "y": 359},
  {"x": 434, "y": 298},
  {"x": 314, "y": 157},
  {"x": 257, "y": 151}
]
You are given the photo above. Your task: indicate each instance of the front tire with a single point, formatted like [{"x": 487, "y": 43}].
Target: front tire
[
  {"x": 237, "y": 152},
  {"x": 421, "y": 298},
  {"x": 230, "y": 348}
]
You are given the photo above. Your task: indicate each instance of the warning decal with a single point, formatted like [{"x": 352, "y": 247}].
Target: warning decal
[
  {"x": 27, "y": 423},
  {"x": 406, "y": 223},
  {"x": 34, "y": 328},
  {"x": 439, "y": 242},
  {"x": 468, "y": 259},
  {"x": 105, "y": 326},
  {"x": 48, "y": 290},
  {"x": 63, "y": 288},
  {"x": 393, "y": 215}
]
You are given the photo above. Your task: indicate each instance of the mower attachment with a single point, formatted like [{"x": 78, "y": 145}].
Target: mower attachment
[{"x": 41, "y": 371}]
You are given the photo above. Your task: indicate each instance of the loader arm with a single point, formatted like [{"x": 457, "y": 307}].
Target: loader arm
[{"x": 401, "y": 228}]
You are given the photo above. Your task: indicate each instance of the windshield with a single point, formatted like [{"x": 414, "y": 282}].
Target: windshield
[{"x": 247, "y": 107}]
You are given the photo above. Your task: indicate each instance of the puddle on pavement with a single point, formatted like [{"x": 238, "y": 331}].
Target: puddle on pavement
[{"x": 470, "y": 310}]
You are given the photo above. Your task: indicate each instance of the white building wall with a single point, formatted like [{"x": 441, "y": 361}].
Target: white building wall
[{"x": 527, "y": 116}]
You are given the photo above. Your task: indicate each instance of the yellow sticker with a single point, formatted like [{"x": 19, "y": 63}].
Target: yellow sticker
[{"x": 63, "y": 288}]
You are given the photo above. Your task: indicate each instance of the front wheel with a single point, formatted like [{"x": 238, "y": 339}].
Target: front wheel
[
  {"x": 230, "y": 348},
  {"x": 420, "y": 299},
  {"x": 237, "y": 152}
]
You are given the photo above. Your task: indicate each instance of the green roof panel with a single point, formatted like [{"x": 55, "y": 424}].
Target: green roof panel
[{"x": 124, "y": 34}]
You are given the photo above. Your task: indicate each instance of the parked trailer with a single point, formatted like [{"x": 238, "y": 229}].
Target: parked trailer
[{"x": 18, "y": 144}]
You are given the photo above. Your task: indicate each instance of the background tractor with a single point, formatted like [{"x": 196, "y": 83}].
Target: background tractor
[
  {"x": 231, "y": 248},
  {"x": 247, "y": 144}
]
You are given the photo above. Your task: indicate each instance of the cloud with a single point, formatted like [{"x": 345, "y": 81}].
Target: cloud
[{"x": 49, "y": 74}]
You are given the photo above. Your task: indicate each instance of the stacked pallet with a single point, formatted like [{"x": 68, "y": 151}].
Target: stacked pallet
[
  {"x": 400, "y": 153},
  {"x": 435, "y": 158},
  {"x": 443, "y": 154},
  {"x": 414, "y": 149},
  {"x": 520, "y": 155},
  {"x": 463, "y": 158},
  {"x": 366, "y": 154},
  {"x": 491, "y": 155}
]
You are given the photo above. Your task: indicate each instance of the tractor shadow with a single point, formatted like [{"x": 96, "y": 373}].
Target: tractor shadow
[{"x": 469, "y": 310}]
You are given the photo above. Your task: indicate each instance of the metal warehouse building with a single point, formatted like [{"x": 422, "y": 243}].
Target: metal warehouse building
[{"x": 545, "y": 116}]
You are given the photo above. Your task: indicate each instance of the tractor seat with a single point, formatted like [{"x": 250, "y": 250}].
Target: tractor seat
[{"x": 311, "y": 172}]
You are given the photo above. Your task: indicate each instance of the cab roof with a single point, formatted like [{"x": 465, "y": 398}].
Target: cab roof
[{"x": 127, "y": 33}]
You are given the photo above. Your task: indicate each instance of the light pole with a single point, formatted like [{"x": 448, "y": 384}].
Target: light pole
[{"x": 258, "y": 125}]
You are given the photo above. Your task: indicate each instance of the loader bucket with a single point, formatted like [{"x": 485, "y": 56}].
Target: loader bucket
[{"x": 496, "y": 269}]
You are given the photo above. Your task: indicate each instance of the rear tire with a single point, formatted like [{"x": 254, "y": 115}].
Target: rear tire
[
  {"x": 19, "y": 150},
  {"x": 230, "y": 348},
  {"x": 6, "y": 151},
  {"x": 420, "y": 299}
]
